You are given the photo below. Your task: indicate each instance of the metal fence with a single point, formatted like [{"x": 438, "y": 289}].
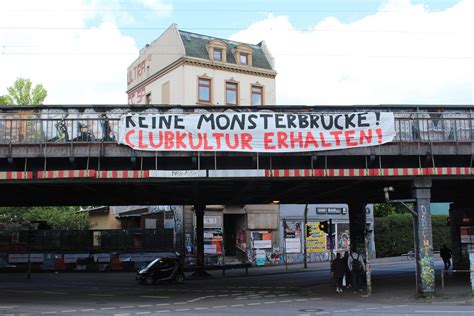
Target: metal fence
[
  {"x": 34, "y": 128},
  {"x": 88, "y": 240}
]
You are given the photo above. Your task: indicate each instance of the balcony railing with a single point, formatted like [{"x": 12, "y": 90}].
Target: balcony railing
[{"x": 40, "y": 128}]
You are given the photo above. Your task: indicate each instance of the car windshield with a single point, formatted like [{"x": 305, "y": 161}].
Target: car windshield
[{"x": 151, "y": 264}]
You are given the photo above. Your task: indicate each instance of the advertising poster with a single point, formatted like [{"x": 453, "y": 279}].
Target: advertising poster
[
  {"x": 293, "y": 245},
  {"x": 316, "y": 241}
]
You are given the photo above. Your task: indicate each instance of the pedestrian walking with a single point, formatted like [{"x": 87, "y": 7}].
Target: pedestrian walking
[
  {"x": 347, "y": 274},
  {"x": 445, "y": 254},
  {"x": 338, "y": 269},
  {"x": 357, "y": 267}
]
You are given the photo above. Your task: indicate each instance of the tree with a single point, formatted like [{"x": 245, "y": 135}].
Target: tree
[
  {"x": 21, "y": 93},
  {"x": 62, "y": 217}
]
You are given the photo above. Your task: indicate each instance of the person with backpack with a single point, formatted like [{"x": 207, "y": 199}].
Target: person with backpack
[{"x": 357, "y": 267}]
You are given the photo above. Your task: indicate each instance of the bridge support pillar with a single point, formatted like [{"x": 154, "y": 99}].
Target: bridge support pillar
[
  {"x": 199, "y": 211},
  {"x": 459, "y": 215},
  {"x": 425, "y": 273},
  {"x": 357, "y": 220}
]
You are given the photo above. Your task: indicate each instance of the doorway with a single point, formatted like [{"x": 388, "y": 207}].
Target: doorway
[{"x": 232, "y": 225}]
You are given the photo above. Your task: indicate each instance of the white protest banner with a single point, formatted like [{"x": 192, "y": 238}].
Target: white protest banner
[{"x": 267, "y": 132}]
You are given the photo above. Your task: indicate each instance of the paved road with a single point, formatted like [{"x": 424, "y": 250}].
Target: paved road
[{"x": 297, "y": 293}]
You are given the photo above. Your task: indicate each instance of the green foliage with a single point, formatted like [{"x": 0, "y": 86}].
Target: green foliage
[
  {"x": 385, "y": 209},
  {"x": 394, "y": 234},
  {"x": 63, "y": 217},
  {"x": 21, "y": 93},
  {"x": 3, "y": 100}
]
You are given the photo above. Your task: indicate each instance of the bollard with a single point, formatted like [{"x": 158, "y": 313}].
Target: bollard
[{"x": 442, "y": 282}]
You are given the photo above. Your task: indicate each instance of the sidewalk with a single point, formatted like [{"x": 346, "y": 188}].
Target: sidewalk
[{"x": 400, "y": 289}]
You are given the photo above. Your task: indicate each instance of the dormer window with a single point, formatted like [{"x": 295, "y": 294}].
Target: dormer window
[
  {"x": 217, "y": 54},
  {"x": 244, "y": 58},
  {"x": 243, "y": 54},
  {"x": 217, "y": 50}
]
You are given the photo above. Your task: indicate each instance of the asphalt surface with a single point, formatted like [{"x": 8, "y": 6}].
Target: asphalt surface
[{"x": 264, "y": 292}]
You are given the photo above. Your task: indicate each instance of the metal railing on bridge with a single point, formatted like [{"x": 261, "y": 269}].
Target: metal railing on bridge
[{"x": 49, "y": 126}]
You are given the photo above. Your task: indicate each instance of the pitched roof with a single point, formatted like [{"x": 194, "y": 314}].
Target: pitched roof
[{"x": 195, "y": 46}]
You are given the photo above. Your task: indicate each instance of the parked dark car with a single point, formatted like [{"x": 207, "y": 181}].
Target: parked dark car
[{"x": 161, "y": 269}]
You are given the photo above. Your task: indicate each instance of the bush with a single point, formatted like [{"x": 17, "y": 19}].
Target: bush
[{"x": 394, "y": 234}]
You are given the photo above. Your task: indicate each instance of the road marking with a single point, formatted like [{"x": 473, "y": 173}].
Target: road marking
[
  {"x": 223, "y": 295},
  {"x": 126, "y": 314},
  {"x": 202, "y": 308},
  {"x": 69, "y": 311},
  {"x": 148, "y": 305},
  {"x": 182, "y": 309},
  {"x": 221, "y": 306},
  {"x": 142, "y": 313},
  {"x": 355, "y": 309},
  {"x": 251, "y": 304},
  {"x": 163, "y": 311},
  {"x": 271, "y": 302},
  {"x": 151, "y": 296},
  {"x": 445, "y": 312},
  {"x": 48, "y": 312},
  {"x": 180, "y": 303},
  {"x": 88, "y": 310},
  {"x": 370, "y": 308},
  {"x": 301, "y": 300},
  {"x": 270, "y": 296},
  {"x": 162, "y": 304},
  {"x": 8, "y": 306},
  {"x": 285, "y": 301},
  {"x": 128, "y": 306},
  {"x": 107, "y": 308},
  {"x": 237, "y": 305}
]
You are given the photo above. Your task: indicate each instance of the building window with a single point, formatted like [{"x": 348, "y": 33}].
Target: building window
[
  {"x": 217, "y": 54},
  {"x": 231, "y": 93},
  {"x": 204, "y": 90},
  {"x": 148, "y": 98},
  {"x": 257, "y": 95},
  {"x": 244, "y": 58}
]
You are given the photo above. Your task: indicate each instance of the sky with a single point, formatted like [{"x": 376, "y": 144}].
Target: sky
[{"x": 327, "y": 52}]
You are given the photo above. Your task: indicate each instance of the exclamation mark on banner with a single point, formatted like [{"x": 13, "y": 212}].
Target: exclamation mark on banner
[
  {"x": 379, "y": 134},
  {"x": 377, "y": 118}
]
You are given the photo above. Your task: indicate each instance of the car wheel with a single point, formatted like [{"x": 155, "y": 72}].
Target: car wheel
[
  {"x": 149, "y": 280},
  {"x": 179, "y": 278}
]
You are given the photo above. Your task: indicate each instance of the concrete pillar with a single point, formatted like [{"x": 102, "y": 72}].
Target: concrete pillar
[
  {"x": 421, "y": 191},
  {"x": 357, "y": 220},
  {"x": 458, "y": 212},
  {"x": 199, "y": 211}
]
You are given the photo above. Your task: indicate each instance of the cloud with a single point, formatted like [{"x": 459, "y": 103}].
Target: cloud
[
  {"x": 159, "y": 8},
  {"x": 76, "y": 63},
  {"x": 404, "y": 53}
]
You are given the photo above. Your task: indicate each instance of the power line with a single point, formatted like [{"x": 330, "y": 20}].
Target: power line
[{"x": 41, "y": 28}]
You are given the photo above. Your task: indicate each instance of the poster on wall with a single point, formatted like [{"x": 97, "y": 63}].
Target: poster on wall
[
  {"x": 265, "y": 132},
  {"x": 293, "y": 245},
  {"x": 292, "y": 230},
  {"x": 260, "y": 257},
  {"x": 262, "y": 240},
  {"x": 316, "y": 241}
]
